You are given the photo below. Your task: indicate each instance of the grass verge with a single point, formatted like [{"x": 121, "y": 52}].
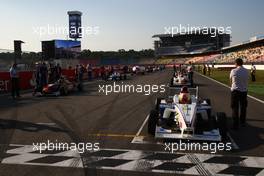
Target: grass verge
[{"x": 255, "y": 89}]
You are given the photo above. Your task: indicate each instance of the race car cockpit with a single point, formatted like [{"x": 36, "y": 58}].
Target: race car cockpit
[{"x": 184, "y": 96}]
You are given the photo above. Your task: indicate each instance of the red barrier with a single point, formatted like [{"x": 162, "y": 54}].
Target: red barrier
[
  {"x": 24, "y": 80},
  {"x": 68, "y": 73},
  {"x": 4, "y": 81},
  {"x": 26, "y": 76}
]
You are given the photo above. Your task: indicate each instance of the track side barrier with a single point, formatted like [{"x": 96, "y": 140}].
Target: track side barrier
[{"x": 25, "y": 78}]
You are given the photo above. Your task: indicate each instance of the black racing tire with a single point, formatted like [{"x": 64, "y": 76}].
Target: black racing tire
[
  {"x": 66, "y": 91},
  {"x": 222, "y": 124},
  {"x": 63, "y": 92},
  {"x": 212, "y": 123},
  {"x": 80, "y": 87},
  {"x": 208, "y": 101},
  {"x": 152, "y": 121},
  {"x": 199, "y": 124},
  {"x": 171, "y": 82},
  {"x": 157, "y": 103}
]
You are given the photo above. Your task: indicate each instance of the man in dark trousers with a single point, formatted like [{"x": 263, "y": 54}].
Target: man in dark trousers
[
  {"x": 125, "y": 71},
  {"x": 174, "y": 68},
  {"x": 190, "y": 73},
  {"x": 14, "y": 81},
  {"x": 253, "y": 72},
  {"x": 204, "y": 69},
  {"x": 90, "y": 71},
  {"x": 239, "y": 88}
]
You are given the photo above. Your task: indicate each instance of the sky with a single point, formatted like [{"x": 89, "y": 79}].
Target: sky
[{"x": 124, "y": 24}]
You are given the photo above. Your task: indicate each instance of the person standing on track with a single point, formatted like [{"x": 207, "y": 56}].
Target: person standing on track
[
  {"x": 43, "y": 75},
  {"x": 125, "y": 72},
  {"x": 174, "y": 68},
  {"x": 208, "y": 70},
  {"x": 89, "y": 71},
  {"x": 253, "y": 72},
  {"x": 204, "y": 69},
  {"x": 58, "y": 71},
  {"x": 239, "y": 88},
  {"x": 190, "y": 73},
  {"x": 14, "y": 75}
]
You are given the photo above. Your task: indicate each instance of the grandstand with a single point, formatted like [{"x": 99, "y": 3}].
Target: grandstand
[
  {"x": 191, "y": 43},
  {"x": 251, "y": 51}
]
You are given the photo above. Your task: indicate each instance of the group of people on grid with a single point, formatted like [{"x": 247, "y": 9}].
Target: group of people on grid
[
  {"x": 50, "y": 73},
  {"x": 45, "y": 74}
]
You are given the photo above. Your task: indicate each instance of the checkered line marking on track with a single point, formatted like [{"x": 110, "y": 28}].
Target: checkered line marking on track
[{"x": 137, "y": 160}]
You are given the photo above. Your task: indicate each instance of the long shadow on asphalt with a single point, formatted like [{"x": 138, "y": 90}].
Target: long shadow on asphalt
[
  {"x": 26, "y": 126},
  {"x": 72, "y": 133},
  {"x": 248, "y": 137},
  {"x": 8, "y": 102}
]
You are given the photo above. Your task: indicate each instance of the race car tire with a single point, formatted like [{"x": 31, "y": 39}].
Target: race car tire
[
  {"x": 199, "y": 124},
  {"x": 63, "y": 91},
  {"x": 212, "y": 124},
  {"x": 222, "y": 124},
  {"x": 80, "y": 87},
  {"x": 157, "y": 103},
  {"x": 171, "y": 82},
  {"x": 152, "y": 121},
  {"x": 208, "y": 101}
]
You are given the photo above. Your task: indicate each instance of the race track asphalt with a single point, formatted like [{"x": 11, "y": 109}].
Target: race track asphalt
[{"x": 113, "y": 121}]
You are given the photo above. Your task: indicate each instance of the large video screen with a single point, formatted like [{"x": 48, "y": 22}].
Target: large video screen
[{"x": 67, "y": 48}]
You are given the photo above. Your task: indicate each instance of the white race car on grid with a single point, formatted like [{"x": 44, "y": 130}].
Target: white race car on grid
[
  {"x": 184, "y": 116},
  {"x": 180, "y": 79}
]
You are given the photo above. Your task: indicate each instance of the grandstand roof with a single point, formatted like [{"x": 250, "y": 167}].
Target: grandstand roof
[
  {"x": 163, "y": 35},
  {"x": 191, "y": 32},
  {"x": 243, "y": 44}
]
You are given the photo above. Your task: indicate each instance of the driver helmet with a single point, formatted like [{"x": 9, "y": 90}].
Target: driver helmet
[
  {"x": 184, "y": 96},
  {"x": 184, "y": 89}
]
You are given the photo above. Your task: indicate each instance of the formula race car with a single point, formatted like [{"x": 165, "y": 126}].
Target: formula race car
[
  {"x": 184, "y": 116},
  {"x": 117, "y": 76},
  {"x": 180, "y": 79},
  {"x": 139, "y": 70},
  {"x": 61, "y": 87}
]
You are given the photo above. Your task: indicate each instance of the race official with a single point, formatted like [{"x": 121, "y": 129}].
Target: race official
[
  {"x": 239, "y": 87},
  {"x": 14, "y": 81},
  {"x": 190, "y": 73},
  {"x": 253, "y": 72}
]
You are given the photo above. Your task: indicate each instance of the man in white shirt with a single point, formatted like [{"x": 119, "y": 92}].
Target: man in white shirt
[{"x": 239, "y": 88}]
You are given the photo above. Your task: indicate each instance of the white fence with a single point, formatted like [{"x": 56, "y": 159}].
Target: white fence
[{"x": 258, "y": 67}]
